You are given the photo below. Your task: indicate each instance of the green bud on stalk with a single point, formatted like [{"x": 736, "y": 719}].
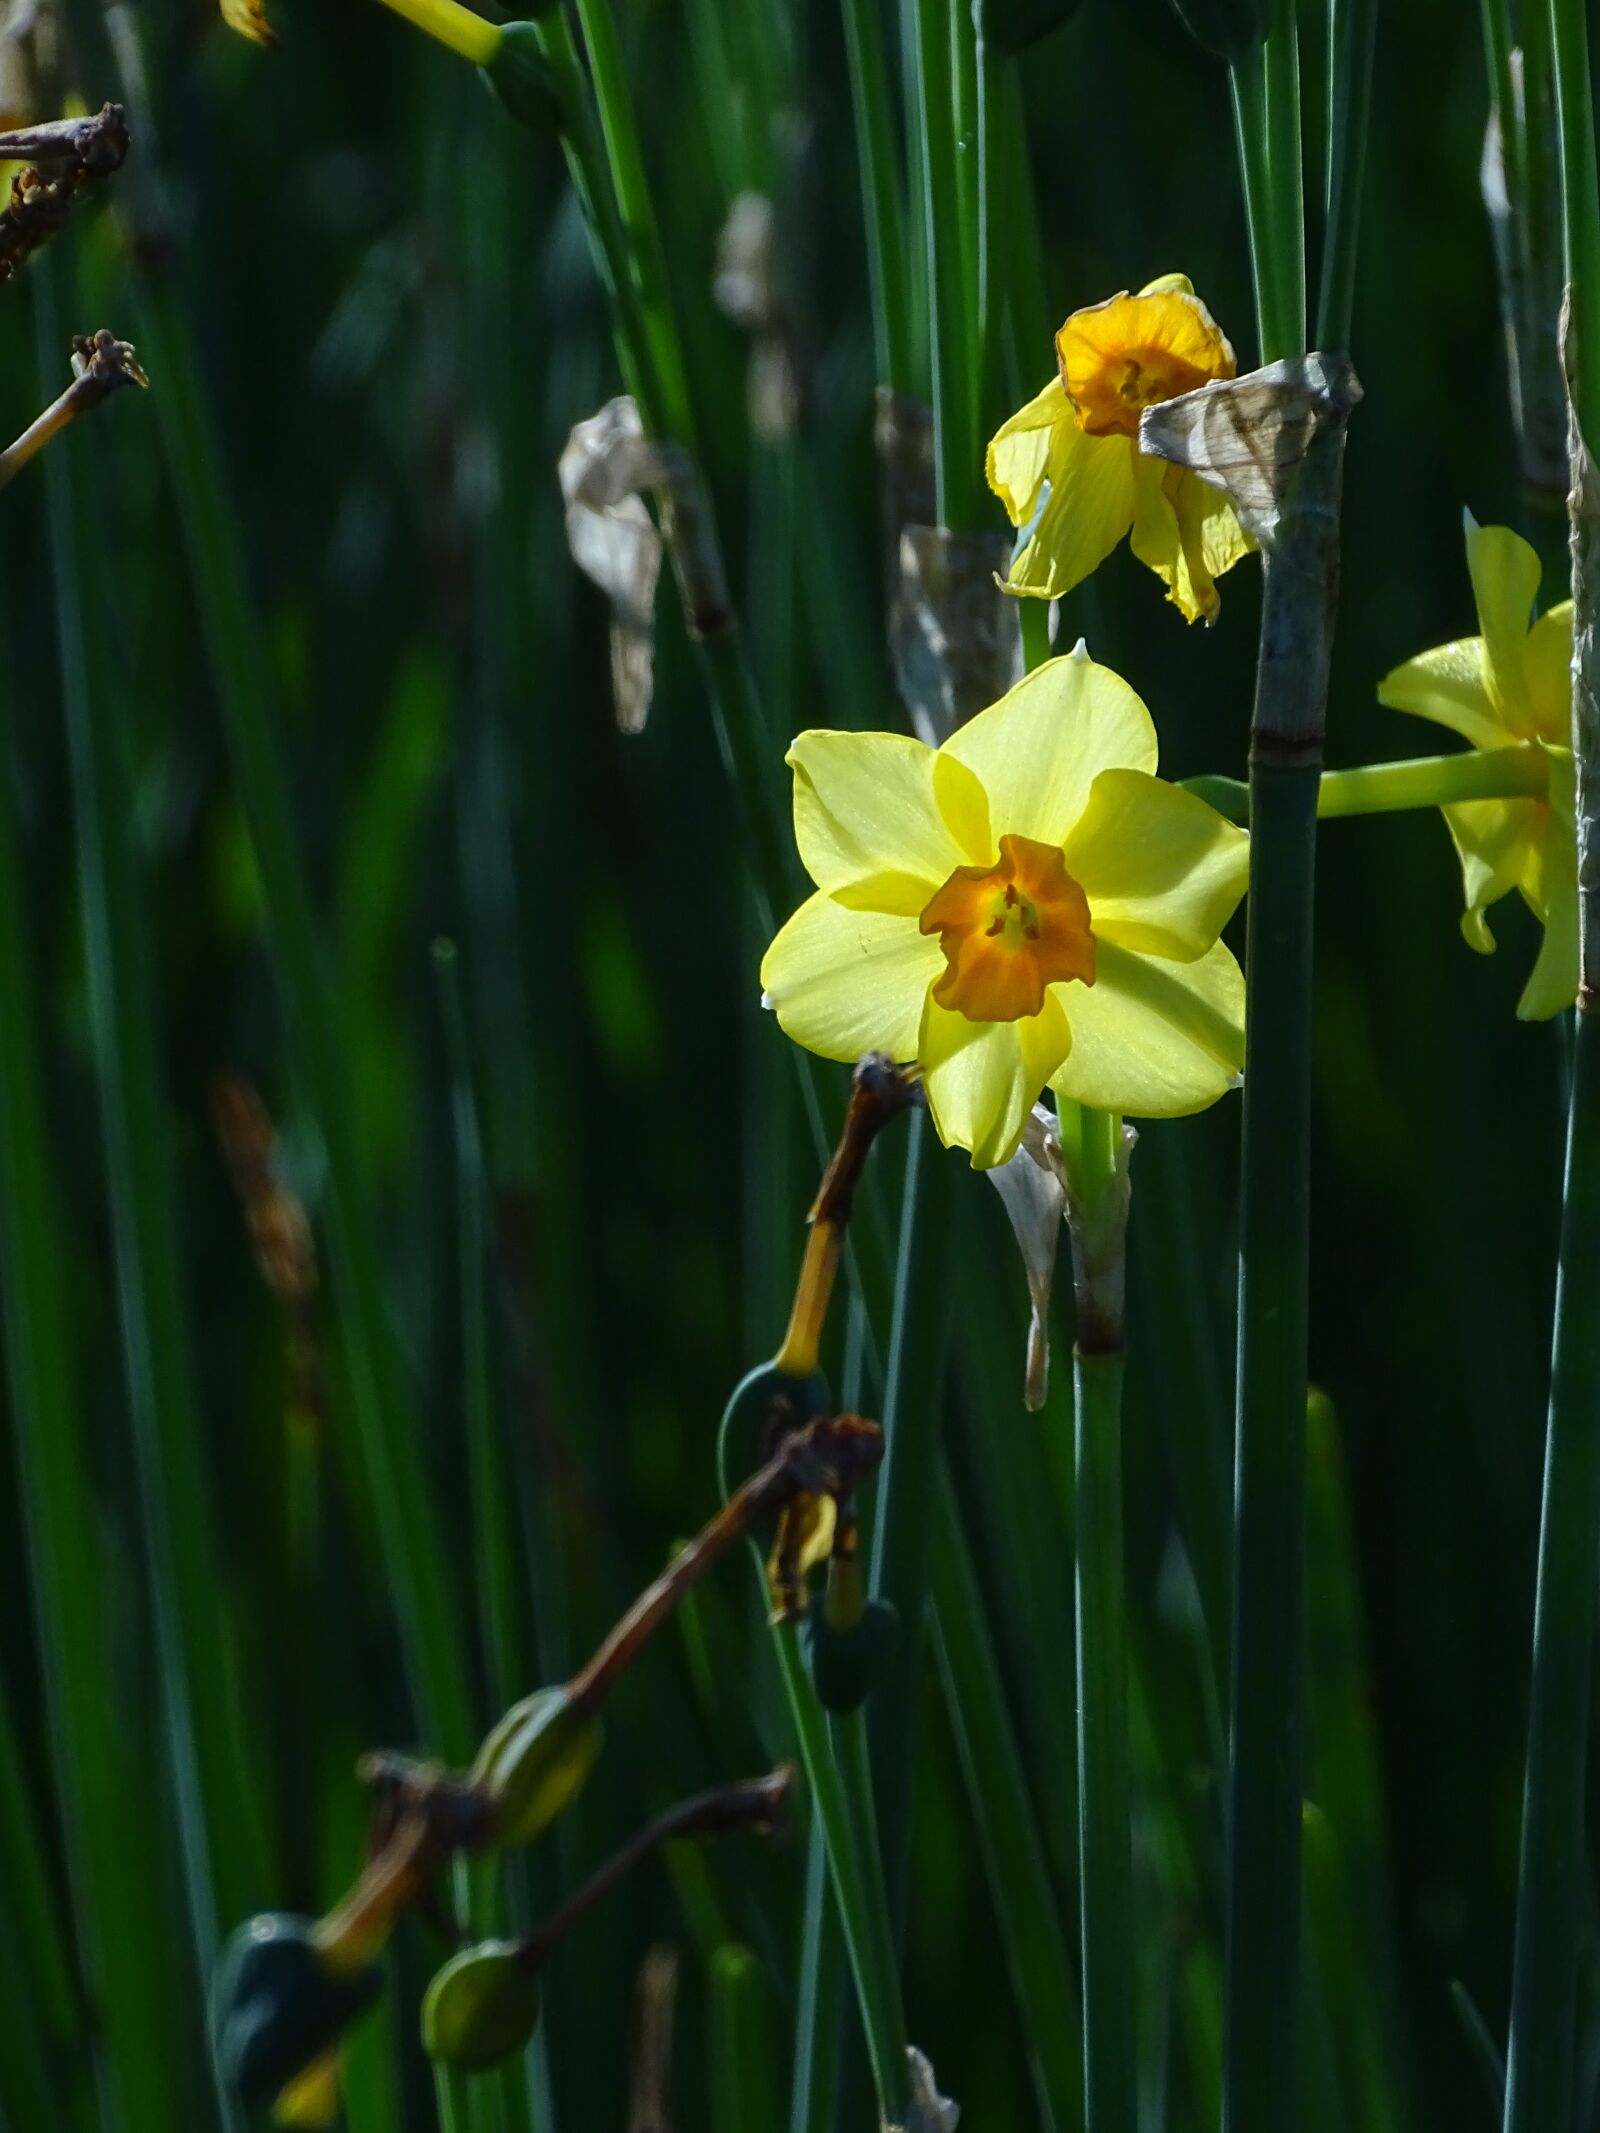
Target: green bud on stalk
[
  {"x": 534, "y": 1763},
  {"x": 278, "y": 2002},
  {"x": 522, "y": 78},
  {"x": 481, "y": 2008},
  {"x": 765, "y": 1405}
]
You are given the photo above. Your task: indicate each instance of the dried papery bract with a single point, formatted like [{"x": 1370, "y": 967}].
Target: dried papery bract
[
  {"x": 607, "y": 465},
  {"x": 655, "y": 2006},
  {"x": 1034, "y": 1196},
  {"x": 926, "y": 2110},
  {"x": 1248, "y": 436},
  {"x": 954, "y": 635}
]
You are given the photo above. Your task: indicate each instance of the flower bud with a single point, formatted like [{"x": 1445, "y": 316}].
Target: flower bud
[
  {"x": 278, "y": 2003},
  {"x": 520, "y": 76},
  {"x": 480, "y": 2008},
  {"x": 848, "y": 1659},
  {"x": 1228, "y": 29},
  {"x": 765, "y": 1405},
  {"x": 534, "y": 1763}
]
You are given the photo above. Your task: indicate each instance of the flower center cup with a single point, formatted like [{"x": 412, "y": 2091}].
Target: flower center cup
[{"x": 1009, "y": 931}]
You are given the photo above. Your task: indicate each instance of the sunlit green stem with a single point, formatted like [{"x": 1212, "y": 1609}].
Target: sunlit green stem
[
  {"x": 1097, "y": 1216},
  {"x": 883, "y": 210},
  {"x": 1352, "y": 34},
  {"x": 1516, "y": 773},
  {"x": 1551, "y": 1878}
]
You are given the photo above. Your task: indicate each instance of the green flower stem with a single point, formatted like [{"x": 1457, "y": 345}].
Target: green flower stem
[
  {"x": 1389, "y": 788},
  {"x": 913, "y": 1417},
  {"x": 1551, "y": 1875},
  {"x": 861, "y": 1916},
  {"x": 1097, "y": 1204},
  {"x": 1246, "y": 83},
  {"x": 816, "y": 2027},
  {"x": 883, "y": 210},
  {"x": 220, "y": 1819},
  {"x": 1281, "y": 160},
  {"x": 1008, "y": 1832},
  {"x": 1352, "y": 34},
  {"x": 645, "y": 267},
  {"x": 958, "y": 461}
]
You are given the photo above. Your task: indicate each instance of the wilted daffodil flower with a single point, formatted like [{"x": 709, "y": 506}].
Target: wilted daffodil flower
[
  {"x": 1029, "y": 903},
  {"x": 1068, "y": 466},
  {"x": 1511, "y": 687}
]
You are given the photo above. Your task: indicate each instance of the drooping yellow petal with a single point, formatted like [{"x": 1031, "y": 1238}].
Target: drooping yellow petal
[
  {"x": 1186, "y": 532},
  {"x": 983, "y": 1078},
  {"x": 1120, "y": 356},
  {"x": 1550, "y": 886},
  {"x": 1090, "y": 505},
  {"x": 1039, "y": 750},
  {"x": 1151, "y": 1038},
  {"x": 1018, "y": 457},
  {"x": 845, "y": 982},
  {"x": 1163, "y": 872},
  {"x": 868, "y": 819},
  {"x": 1448, "y": 686},
  {"x": 249, "y": 18},
  {"x": 1547, "y": 670},
  {"x": 1494, "y": 840},
  {"x": 1505, "y": 583}
]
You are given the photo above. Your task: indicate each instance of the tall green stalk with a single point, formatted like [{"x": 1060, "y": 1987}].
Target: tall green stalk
[
  {"x": 1551, "y": 1876},
  {"x": 1097, "y": 1217},
  {"x": 1266, "y": 1752}
]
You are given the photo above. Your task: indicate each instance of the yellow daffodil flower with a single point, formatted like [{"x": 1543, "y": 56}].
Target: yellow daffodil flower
[
  {"x": 249, "y": 18},
  {"x": 1027, "y": 904},
  {"x": 1068, "y": 465},
  {"x": 1509, "y": 687}
]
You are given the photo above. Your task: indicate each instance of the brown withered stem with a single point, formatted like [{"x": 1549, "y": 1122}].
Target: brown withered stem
[
  {"x": 424, "y": 1813},
  {"x": 755, "y": 1804},
  {"x": 880, "y": 1091},
  {"x": 831, "y": 1456},
  {"x": 64, "y": 156},
  {"x": 280, "y": 1232},
  {"x": 101, "y": 365}
]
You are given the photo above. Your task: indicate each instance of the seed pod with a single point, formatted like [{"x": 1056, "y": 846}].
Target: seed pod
[
  {"x": 520, "y": 76},
  {"x": 534, "y": 1763},
  {"x": 765, "y": 1405},
  {"x": 277, "y": 2003},
  {"x": 1012, "y": 25},
  {"x": 1228, "y": 29},
  {"x": 848, "y": 1660},
  {"x": 482, "y": 2007}
]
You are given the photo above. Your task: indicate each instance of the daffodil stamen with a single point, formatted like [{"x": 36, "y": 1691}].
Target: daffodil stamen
[{"x": 1009, "y": 931}]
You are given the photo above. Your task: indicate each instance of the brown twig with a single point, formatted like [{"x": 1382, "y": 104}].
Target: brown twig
[
  {"x": 831, "y": 1456},
  {"x": 64, "y": 156},
  {"x": 101, "y": 365},
  {"x": 652, "y": 2048},
  {"x": 755, "y": 1804},
  {"x": 881, "y": 1091}
]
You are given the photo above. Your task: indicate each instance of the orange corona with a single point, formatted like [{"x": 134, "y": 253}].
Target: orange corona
[{"x": 1009, "y": 931}]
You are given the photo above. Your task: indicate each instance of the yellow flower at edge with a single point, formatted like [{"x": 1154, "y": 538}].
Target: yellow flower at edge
[
  {"x": 1081, "y": 437},
  {"x": 1509, "y": 687},
  {"x": 249, "y": 18},
  {"x": 1027, "y": 905}
]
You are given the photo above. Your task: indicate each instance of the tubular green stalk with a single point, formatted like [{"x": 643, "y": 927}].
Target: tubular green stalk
[
  {"x": 1390, "y": 788},
  {"x": 1539, "y": 2062},
  {"x": 1352, "y": 34},
  {"x": 958, "y": 467},
  {"x": 882, "y": 209},
  {"x": 1008, "y": 1833}
]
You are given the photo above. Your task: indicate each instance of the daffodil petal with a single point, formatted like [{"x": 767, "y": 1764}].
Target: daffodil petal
[
  {"x": 845, "y": 982},
  {"x": 1039, "y": 750},
  {"x": 1152, "y": 1038},
  {"x": 982, "y": 1078},
  {"x": 1505, "y": 583},
  {"x": 1019, "y": 451},
  {"x": 1550, "y": 885},
  {"x": 1088, "y": 510},
  {"x": 1447, "y": 685},
  {"x": 1163, "y": 872},
  {"x": 1494, "y": 841},
  {"x": 1187, "y": 533},
  {"x": 1547, "y": 671},
  {"x": 868, "y": 820}
]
